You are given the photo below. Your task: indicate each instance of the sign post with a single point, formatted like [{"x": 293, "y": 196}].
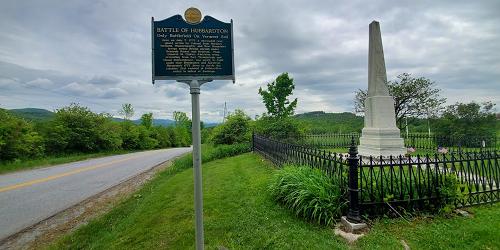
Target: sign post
[{"x": 193, "y": 51}]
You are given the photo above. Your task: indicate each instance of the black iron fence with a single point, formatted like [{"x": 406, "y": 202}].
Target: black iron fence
[
  {"x": 374, "y": 183},
  {"x": 416, "y": 141},
  {"x": 337, "y": 140},
  {"x": 280, "y": 153},
  {"x": 418, "y": 181},
  {"x": 457, "y": 143}
]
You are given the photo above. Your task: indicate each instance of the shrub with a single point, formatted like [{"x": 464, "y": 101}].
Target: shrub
[
  {"x": 449, "y": 191},
  {"x": 235, "y": 130},
  {"x": 77, "y": 129},
  {"x": 130, "y": 135},
  {"x": 181, "y": 137},
  {"x": 284, "y": 129},
  {"x": 309, "y": 193},
  {"x": 18, "y": 138},
  {"x": 145, "y": 138},
  {"x": 108, "y": 134},
  {"x": 163, "y": 136}
]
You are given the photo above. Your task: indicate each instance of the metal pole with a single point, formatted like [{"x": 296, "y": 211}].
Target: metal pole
[
  {"x": 198, "y": 191},
  {"x": 353, "y": 213}
]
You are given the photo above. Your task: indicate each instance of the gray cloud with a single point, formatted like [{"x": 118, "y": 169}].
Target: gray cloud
[
  {"x": 56, "y": 52},
  {"x": 104, "y": 80}
]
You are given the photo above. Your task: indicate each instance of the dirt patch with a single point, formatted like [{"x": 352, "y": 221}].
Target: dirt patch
[{"x": 47, "y": 231}]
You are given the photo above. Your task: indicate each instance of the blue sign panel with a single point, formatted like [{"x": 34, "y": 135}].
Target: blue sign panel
[{"x": 184, "y": 51}]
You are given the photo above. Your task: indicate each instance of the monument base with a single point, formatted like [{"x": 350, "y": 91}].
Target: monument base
[{"x": 381, "y": 142}]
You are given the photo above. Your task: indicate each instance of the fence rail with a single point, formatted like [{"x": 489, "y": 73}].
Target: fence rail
[
  {"x": 419, "y": 179},
  {"x": 417, "y": 141},
  {"x": 332, "y": 164},
  {"x": 412, "y": 181}
]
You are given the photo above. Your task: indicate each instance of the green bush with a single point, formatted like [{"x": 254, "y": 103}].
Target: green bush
[
  {"x": 77, "y": 129},
  {"x": 309, "y": 193},
  {"x": 283, "y": 129},
  {"x": 108, "y": 135},
  {"x": 163, "y": 136},
  {"x": 235, "y": 130},
  {"x": 181, "y": 137},
  {"x": 449, "y": 191},
  {"x": 146, "y": 141},
  {"x": 18, "y": 138},
  {"x": 130, "y": 135}
]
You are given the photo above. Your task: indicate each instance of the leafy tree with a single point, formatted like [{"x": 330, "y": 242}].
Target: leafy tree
[
  {"x": 18, "y": 138},
  {"x": 145, "y": 139},
  {"x": 181, "y": 119},
  {"x": 276, "y": 97},
  {"x": 236, "y": 129},
  {"x": 181, "y": 135},
  {"x": 130, "y": 135},
  {"x": 413, "y": 97},
  {"x": 56, "y": 137},
  {"x": 285, "y": 129},
  {"x": 147, "y": 120},
  {"x": 77, "y": 129},
  {"x": 467, "y": 119},
  {"x": 320, "y": 122},
  {"x": 127, "y": 111},
  {"x": 108, "y": 133},
  {"x": 163, "y": 136},
  {"x": 79, "y": 125}
]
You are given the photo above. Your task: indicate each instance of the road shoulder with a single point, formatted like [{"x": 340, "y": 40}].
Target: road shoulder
[{"x": 67, "y": 220}]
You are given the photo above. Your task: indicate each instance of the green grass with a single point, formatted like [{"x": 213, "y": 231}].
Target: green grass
[
  {"x": 479, "y": 232},
  {"x": 239, "y": 214},
  {"x": 6, "y": 167}
]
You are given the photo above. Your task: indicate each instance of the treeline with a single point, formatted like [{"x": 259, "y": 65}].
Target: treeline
[{"x": 76, "y": 129}]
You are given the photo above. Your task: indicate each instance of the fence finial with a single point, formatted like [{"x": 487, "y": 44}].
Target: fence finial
[{"x": 353, "y": 149}]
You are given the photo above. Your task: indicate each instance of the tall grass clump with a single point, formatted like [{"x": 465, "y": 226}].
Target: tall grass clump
[{"x": 309, "y": 193}]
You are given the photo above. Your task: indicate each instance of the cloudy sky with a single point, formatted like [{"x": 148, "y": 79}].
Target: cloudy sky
[{"x": 97, "y": 53}]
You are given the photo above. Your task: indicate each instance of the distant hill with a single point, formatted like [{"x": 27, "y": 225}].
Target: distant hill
[
  {"x": 33, "y": 114},
  {"x": 211, "y": 124},
  {"x": 163, "y": 122},
  {"x": 160, "y": 122},
  {"x": 36, "y": 114},
  {"x": 320, "y": 122}
]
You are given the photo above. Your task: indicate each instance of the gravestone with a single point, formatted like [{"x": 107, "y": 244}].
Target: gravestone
[{"x": 380, "y": 135}]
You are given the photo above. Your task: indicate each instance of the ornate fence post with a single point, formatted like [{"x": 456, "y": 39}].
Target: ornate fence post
[{"x": 353, "y": 214}]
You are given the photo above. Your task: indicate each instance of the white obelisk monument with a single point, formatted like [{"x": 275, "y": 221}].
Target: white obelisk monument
[{"x": 380, "y": 136}]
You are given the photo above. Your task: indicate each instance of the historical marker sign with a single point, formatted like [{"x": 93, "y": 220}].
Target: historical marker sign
[
  {"x": 192, "y": 48},
  {"x": 193, "y": 51}
]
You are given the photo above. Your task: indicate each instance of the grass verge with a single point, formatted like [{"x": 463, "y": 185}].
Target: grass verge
[
  {"x": 238, "y": 214},
  {"x": 7, "y": 167},
  {"x": 479, "y": 232}
]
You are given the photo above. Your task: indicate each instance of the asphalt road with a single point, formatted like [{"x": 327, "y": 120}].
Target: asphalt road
[{"x": 28, "y": 197}]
